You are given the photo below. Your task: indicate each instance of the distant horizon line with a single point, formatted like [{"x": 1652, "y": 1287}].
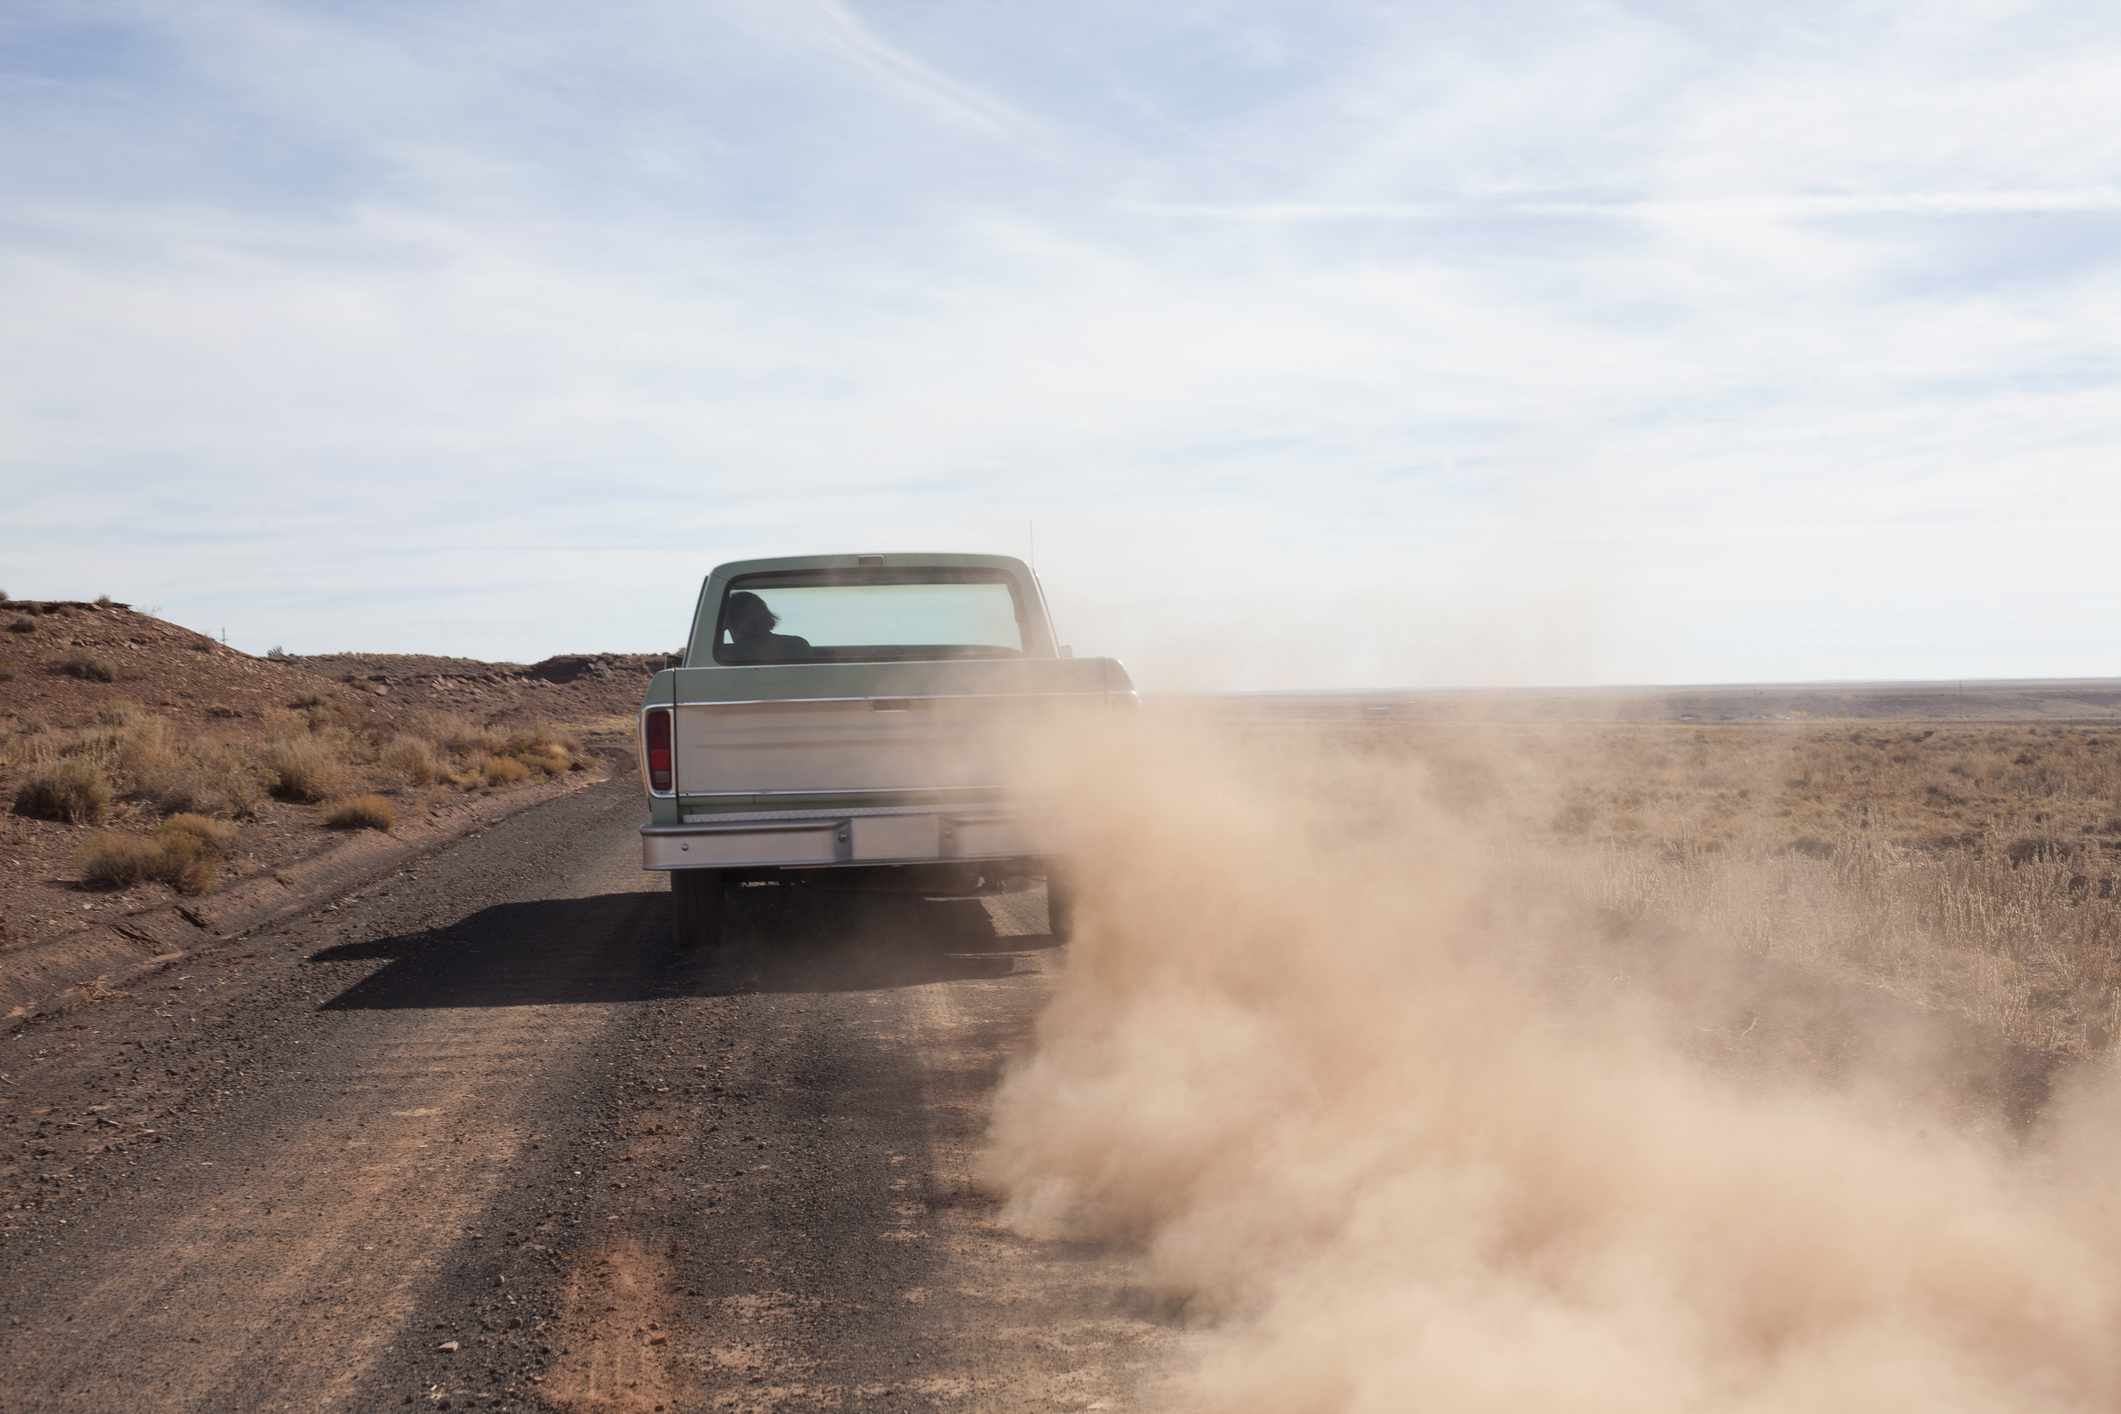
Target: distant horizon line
[{"x": 1811, "y": 684}]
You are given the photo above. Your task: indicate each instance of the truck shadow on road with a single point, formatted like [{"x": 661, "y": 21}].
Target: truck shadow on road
[{"x": 618, "y": 948}]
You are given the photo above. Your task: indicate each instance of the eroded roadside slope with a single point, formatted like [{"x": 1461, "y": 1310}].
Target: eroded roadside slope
[{"x": 148, "y": 773}]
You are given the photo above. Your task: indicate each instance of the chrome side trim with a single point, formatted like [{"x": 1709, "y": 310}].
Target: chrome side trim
[
  {"x": 750, "y": 827},
  {"x": 959, "y": 815},
  {"x": 869, "y": 790},
  {"x": 896, "y": 697}
]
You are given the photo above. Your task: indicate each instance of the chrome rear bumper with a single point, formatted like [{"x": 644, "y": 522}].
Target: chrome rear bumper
[{"x": 804, "y": 839}]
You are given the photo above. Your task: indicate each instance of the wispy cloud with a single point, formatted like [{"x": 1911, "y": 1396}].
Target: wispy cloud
[
  {"x": 847, "y": 35},
  {"x": 1776, "y": 207},
  {"x": 1331, "y": 326}
]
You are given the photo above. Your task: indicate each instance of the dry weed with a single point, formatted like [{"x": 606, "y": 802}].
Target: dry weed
[
  {"x": 74, "y": 791},
  {"x": 304, "y": 770},
  {"x": 217, "y": 835},
  {"x": 459, "y": 734},
  {"x": 119, "y": 861},
  {"x": 414, "y": 759},
  {"x": 186, "y": 852},
  {"x": 362, "y": 812},
  {"x": 87, "y": 667},
  {"x": 504, "y": 771},
  {"x": 549, "y": 758},
  {"x": 545, "y": 750},
  {"x": 467, "y": 753}
]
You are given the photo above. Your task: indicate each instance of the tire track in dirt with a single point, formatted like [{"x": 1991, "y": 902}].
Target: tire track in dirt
[
  {"x": 615, "y": 1308},
  {"x": 270, "y": 1274},
  {"x": 789, "y": 1220},
  {"x": 484, "y": 1136}
]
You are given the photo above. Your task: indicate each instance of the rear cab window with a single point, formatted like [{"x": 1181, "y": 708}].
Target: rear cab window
[{"x": 869, "y": 615}]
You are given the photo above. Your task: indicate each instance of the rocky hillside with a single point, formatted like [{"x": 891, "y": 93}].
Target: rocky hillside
[{"x": 140, "y": 760}]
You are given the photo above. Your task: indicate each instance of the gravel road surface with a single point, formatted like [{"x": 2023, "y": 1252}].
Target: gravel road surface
[{"x": 481, "y": 1137}]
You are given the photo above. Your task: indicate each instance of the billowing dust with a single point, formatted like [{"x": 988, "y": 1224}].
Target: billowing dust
[{"x": 1360, "y": 1086}]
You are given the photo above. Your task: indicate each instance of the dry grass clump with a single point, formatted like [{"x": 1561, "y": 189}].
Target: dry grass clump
[
  {"x": 185, "y": 851},
  {"x": 74, "y": 791},
  {"x": 117, "y": 861},
  {"x": 362, "y": 812},
  {"x": 219, "y": 835},
  {"x": 547, "y": 757},
  {"x": 504, "y": 771},
  {"x": 304, "y": 770},
  {"x": 459, "y": 735},
  {"x": 546, "y": 751},
  {"x": 23, "y": 626},
  {"x": 471, "y": 754},
  {"x": 87, "y": 667},
  {"x": 210, "y": 779},
  {"x": 414, "y": 759},
  {"x": 173, "y": 775}
]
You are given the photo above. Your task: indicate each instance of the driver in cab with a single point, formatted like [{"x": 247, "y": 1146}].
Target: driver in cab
[{"x": 751, "y": 633}]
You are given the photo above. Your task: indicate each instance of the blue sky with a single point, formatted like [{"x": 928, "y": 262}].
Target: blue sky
[{"x": 1335, "y": 344}]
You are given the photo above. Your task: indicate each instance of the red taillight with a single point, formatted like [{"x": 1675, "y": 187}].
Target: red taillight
[{"x": 655, "y": 728}]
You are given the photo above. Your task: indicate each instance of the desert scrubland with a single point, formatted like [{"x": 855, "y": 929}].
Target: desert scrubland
[
  {"x": 142, "y": 762},
  {"x": 1588, "y": 1065},
  {"x": 1723, "y": 1052},
  {"x": 1965, "y": 868}
]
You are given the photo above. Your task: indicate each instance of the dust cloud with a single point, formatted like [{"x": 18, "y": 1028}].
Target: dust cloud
[{"x": 1353, "y": 1079}]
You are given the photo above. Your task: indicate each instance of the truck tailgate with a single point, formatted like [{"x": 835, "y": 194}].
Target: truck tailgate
[{"x": 768, "y": 734}]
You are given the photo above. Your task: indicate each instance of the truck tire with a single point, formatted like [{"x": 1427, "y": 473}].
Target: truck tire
[
  {"x": 1060, "y": 906},
  {"x": 697, "y": 900}
]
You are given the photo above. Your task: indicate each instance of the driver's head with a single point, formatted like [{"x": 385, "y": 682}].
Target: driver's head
[{"x": 748, "y": 617}]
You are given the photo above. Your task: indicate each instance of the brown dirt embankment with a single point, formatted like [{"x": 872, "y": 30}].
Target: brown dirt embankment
[{"x": 114, "y": 724}]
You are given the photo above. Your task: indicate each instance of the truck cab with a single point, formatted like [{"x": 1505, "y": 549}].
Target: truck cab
[{"x": 856, "y": 712}]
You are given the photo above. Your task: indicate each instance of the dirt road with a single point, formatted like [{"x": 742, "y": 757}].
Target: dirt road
[{"x": 480, "y": 1137}]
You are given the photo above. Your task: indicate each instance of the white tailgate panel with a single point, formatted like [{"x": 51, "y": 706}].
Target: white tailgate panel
[{"x": 921, "y": 744}]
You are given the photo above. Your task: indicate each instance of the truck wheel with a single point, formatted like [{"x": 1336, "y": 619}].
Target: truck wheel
[
  {"x": 1060, "y": 907},
  {"x": 697, "y": 898}
]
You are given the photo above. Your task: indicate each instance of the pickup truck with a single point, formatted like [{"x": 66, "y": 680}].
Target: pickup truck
[{"x": 849, "y": 718}]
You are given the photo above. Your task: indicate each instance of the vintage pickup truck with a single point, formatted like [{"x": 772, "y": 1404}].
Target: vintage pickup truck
[{"x": 838, "y": 713}]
